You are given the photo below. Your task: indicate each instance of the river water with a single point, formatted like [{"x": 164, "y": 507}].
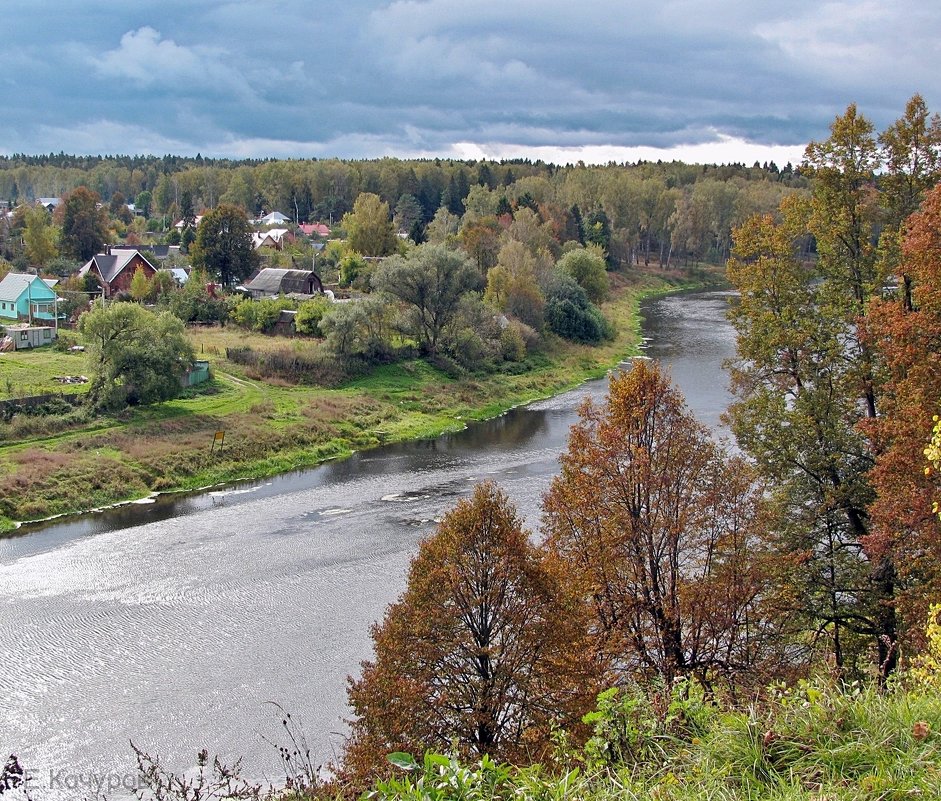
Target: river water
[{"x": 173, "y": 624}]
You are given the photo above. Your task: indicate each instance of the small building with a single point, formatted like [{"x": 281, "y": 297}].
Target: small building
[
  {"x": 315, "y": 229},
  {"x": 274, "y": 218},
  {"x": 25, "y": 297},
  {"x": 197, "y": 373},
  {"x": 274, "y": 238},
  {"x": 271, "y": 282},
  {"x": 31, "y": 336},
  {"x": 115, "y": 271}
]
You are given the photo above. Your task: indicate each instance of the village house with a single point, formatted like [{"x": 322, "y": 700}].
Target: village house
[
  {"x": 275, "y": 239},
  {"x": 115, "y": 271},
  {"x": 274, "y": 218},
  {"x": 315, "y": 229},
  {"x": 25, "y": 297}
]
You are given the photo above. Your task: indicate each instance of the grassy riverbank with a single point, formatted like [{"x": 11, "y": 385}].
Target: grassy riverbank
[{"x": 53, "y": 466}]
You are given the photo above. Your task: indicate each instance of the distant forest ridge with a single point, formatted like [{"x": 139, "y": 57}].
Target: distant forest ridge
[{"x": 693, "y": 206}]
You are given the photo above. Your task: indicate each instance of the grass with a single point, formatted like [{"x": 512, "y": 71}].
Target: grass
[
  {"x": 52, "y": 466},
  {"x": 818, "y": 741},
  {"x": 33, "y": 372}
]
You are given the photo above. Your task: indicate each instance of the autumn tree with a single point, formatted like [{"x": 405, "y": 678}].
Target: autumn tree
[
  {"x": 911, "y": 153},
  {"x": 809, "y": 381},
  {"x": 482, "y": 650},
  {"x": 223, "y": 245},
  {"x": 905, "y": 331},
  {"x": 369, "y": 226},
  {"x": 661, "y": 531},
  {"x": 430, "y": 281},
  {"x": 84, "y": 224}
]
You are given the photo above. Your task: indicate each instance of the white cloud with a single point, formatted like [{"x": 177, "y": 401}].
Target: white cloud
[{"x": 146, "y": 58}]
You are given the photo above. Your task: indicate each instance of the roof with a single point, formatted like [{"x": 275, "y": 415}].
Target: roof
[
  {"x": 14, "y": 285},
  {"x": 274, "y": 217},
  {"x": 315, "y": 229},
  {"x": 273, "y": 281},
  {"x": 275, "y": 235},
  {"x": 179, "y": 274},
  {"x": 156, "y": 251},
  {"x": 109, "y": 265}
]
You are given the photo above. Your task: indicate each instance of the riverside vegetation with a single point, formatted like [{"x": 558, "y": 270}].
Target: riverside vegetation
[{"x": 72, "y": 459}]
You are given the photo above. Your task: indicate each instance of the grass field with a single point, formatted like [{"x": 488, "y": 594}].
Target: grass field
[
  {"x": 34, "y": 372},
  {"x": 51, "y": 466}
]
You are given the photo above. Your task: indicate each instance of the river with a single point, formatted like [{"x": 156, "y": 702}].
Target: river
[{"x": 173, "y": 623}]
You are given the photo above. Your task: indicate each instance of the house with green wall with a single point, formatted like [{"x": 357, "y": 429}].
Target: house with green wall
[{"x": 27, "y": 298}]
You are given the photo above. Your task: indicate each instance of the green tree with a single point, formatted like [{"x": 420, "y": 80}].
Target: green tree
[
  {"x": 135, "y": 356},
  {"x": 140, "y": 285},
  {"x": 481, "y": 650},
  {"x": 570, "y": 314},
  {"x": 309, "y": 315},
  {"x": 84, "y": 225},
  {"x": 39, "y": 237},
  {"x": 223, "y": 245},
  {"x": 797, "y": 414},
  {"x": 587, "y": 267},
  {"x": 430, "y": 281},
  {"x": 143, "y": 202},
  {"x": 369, "y": 228},
  {"x": 408, "y": 211}
]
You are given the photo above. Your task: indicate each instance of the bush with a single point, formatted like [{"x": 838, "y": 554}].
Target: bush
[
  {"x": 260, "y": 315},
  {"x": 196, "y": 303},
  {"x": 571, "y": 315},
  {"x": 587, "y": 267},
  {"x": 512, "y": 344},
  {"x": 309, "y": 315}
]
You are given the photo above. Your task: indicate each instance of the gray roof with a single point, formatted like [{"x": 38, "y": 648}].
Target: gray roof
[
  {"x": 273, "y": 281},
  {"x": 14, "y": 285},
  {"x": 156, "y": 251}
]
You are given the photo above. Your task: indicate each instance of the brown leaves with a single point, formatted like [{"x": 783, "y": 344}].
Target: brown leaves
[{"x": 659, "y": 529}]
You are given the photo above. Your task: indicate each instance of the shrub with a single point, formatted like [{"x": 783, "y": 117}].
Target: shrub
[
  {"x": 309, "y": 315},
  {"x": 571, "y": 315}
]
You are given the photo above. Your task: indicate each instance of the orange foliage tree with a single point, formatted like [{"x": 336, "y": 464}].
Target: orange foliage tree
[
  {"x": 481, "y": 650},
  {"x": 906, "y": 332},
  {"x": 660, "y": 529}
]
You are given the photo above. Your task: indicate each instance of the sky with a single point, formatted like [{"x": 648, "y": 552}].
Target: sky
[{"x": 597, "y": 80}]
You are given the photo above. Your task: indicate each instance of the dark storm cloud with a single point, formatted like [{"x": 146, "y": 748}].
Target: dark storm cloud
[{"x": 368, "y": 78}]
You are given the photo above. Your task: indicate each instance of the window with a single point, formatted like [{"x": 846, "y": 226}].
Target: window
[
  {"x": 46, "y": 334},
  {"x": 24, "y": 337}
]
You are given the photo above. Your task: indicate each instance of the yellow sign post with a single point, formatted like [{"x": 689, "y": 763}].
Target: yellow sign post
[{"x": 220, "y": 438}]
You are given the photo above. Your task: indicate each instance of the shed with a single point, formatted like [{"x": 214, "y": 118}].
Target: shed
[
  {"x": 271, "y": 281},
  {"x": 198, "y": 373},
  {"x": 31, "y": 336}
]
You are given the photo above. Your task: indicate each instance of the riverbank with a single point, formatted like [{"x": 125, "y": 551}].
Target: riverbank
[{"x": 271, "y": 428}]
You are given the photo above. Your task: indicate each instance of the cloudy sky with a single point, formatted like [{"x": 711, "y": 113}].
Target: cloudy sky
[{"x": 598, "y": 80}]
